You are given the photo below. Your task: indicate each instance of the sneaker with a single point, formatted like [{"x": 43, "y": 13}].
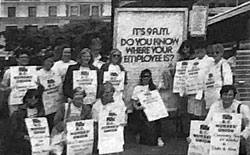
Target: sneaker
[{"x": 160, "y": 142}]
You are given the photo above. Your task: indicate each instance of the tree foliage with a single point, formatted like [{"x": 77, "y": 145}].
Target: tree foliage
[{"x": 77, "y": 34}]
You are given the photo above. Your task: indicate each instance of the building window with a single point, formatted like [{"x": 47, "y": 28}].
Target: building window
[
  {"x": 73, "y": 10},
  {"x": 32, "y": 11},
  {"x": 10, "y": 28},
  {"x": 31, "y": 28},
  {"x": 222, "y": 5},
  {"x": 212, "y": 5},
  {"x": 11, "y": 11},
  {"x": 95, "y": 10},
  {"x": 84, "y": 10},
  {"x": 52, "y": 11},
  {"x": 232, "y": 5}
]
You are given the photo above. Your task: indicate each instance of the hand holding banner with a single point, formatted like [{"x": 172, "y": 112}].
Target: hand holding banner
[{"x": 154, "y": 105}]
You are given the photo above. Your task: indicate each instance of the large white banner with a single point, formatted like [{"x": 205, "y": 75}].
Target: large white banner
[
  {"x": 87, "y": 80},
  {"x": 22, "y": 78},
  {"x": 110, "y": 131},
  {"x": 226, "y": 130},
  {"x": 154, "y": 106},
  {"x": 200, "y": 138},
  {"x": 51, "y": 94},
  {"x": 80, "y": 137},
  {"x": 38, "y": 131},
  {"x": 148, "y": 38}
]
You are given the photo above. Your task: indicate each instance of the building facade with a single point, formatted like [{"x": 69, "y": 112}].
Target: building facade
[{"x": 39, "y": 13}]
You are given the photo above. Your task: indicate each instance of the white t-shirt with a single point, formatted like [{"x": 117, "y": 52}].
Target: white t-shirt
[
  {"x": 139, "y": 89},
  {"x": 98, "y": 107},
  {"x": 61, "y": 67},
  {"x": 97, "y": 62},
  {"x": 217, "y": 107}
]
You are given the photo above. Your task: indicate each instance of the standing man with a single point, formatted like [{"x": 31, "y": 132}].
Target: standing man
[
  {"x": 95, "y": 46},
  {"x": 62, "y": 65},
  {"x": 220, "y": 74},
  {"x": 23, "y": 59}
]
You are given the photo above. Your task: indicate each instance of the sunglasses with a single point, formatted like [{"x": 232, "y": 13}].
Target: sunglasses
[
  {"x": 116, "y": 55},
  {"x": 146, "y": 76}
]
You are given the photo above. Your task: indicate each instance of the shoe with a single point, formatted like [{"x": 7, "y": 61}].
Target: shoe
[{"x": 160, "y": 142}]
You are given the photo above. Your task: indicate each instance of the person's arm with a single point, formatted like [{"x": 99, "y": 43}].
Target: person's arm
[
  {"x": 227, "y": 74},
  {"x": 6, "y": 78},
  {"x": 68, "y": 83},
  {"x": 210, "y": 114},
  {"x": 59, "y": 119},
  {"x": 244, "y": 109}
]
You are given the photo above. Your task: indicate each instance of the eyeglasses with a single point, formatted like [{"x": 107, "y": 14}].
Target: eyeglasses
[
  {"x": 146, "y": 76},
  {"x": 116, "y": 55}
]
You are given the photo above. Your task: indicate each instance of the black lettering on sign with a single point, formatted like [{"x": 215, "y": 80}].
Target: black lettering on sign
[
  {"x": 150, "y": 31},
  {"x": 228, "y": 117},
  {"x": 149, "y": 41},
  {"x": 79, "y": 124}
]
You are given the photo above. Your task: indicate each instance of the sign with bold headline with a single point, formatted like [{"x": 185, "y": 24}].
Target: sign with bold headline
[
  {"x": 21, "y": 79},
  {"x": 226, "y": 131},
  {"x": 80, "y": 137},
  {"x": 149, "y": 38}
]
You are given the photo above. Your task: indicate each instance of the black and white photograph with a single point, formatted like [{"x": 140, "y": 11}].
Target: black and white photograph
[{"x": 124, "y": 77}]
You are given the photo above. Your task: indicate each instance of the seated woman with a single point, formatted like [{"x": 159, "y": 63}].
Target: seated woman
[
  {"x": 31, "y": 107},
  {"x": 228, "y": 104},
  {"x": 73, "y": 111},
  {"x": 149, "y": 132}
]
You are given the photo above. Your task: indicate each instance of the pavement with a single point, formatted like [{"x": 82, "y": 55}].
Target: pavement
[{"x": 174, "y": 146}]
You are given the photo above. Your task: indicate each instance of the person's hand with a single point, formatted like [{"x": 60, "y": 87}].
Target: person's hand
[
  {"x": 188, "y": 140},
  {"x": 60, "y": 126},
  {"x": 26, "y": 137},
  {"x": 140, "y": 108}
]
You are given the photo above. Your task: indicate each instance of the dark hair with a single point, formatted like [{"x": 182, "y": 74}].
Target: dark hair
[
  {"x": 104, "y": 86},
  {"x": 186, "y": 43},
  {"x": 200, "y": 44},
  {"x": 227, "y": 88},
  {"x": 151, "y": 84},
  {"x": 47, "y": 56},
  {"x": 111, "y": 55},
  {"x": 34, "y": 92},
  {"x": 22, "y": 51},
  {"x": 79, "y": 89}
]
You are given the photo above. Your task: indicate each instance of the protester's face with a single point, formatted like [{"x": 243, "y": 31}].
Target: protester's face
[
  {"x": 218, "y": 55},
  {"x": 48, "y": 63},
  {"x": 200, "y": 53},
  {"x": 78, "y": 99},
  {"x": 96, "y": 48},
  {"x": 107, "y": 96},
  {"x": 210, "y": 51},
  {"x": 146, "y": 78},
  {"x": 66, "y": 55},
  {"x": 227, "y": 98},
  {"x": 23, "y": 60},
  {"x": 85, "y": 58},
  {"x": 116, "y": 56},
  {"x": 186, "y": 49},
  {"x": 31, "y": 102}
]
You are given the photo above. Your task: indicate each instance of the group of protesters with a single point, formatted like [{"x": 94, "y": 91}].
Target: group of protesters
[
  {"x": 215, "y": 91},
  {"x": 75, "y": 103}
]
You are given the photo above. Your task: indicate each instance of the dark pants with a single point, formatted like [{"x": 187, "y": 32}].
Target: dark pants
[
  {"x": 139, "y": 124},
  {"x": 50, "y": 119}
]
